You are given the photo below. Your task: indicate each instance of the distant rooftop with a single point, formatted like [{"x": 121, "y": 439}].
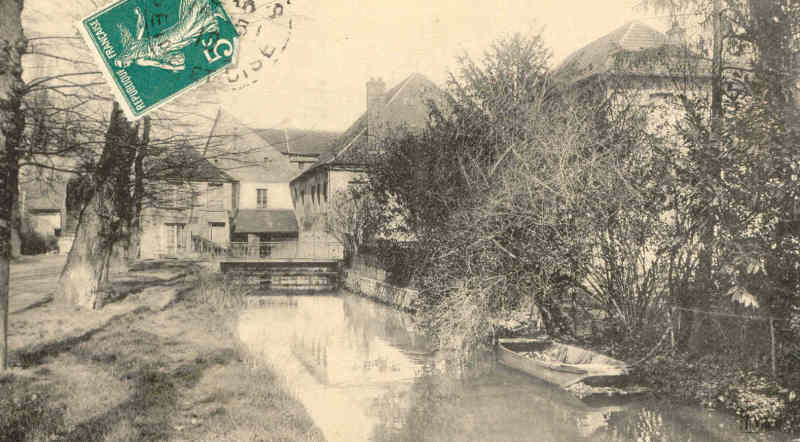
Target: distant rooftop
[
  {"x": 597, "y": 56},
  {"x": 245, "y": 155},
  {"x": 405, "y": 105},
  {"x": 298, "y": 141}
]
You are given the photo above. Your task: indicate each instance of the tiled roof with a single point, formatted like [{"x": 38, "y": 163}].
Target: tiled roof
[
  {"x": 298, "y": 141},
  {"x": 187, "y": 164},
  {"x": 265, "y": 221},
  {"x": 246, "y": 156},
  {"x": 405, "y": 105},
  {"x": 597, "y": 56}
]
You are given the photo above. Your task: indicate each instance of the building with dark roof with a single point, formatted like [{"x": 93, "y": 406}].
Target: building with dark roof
[
  {"x": 301, "y": 146},
  {"x": 346, "y": 159},
  {"x": 261, "y": 172},
  {"x": 191, "y": 205}
]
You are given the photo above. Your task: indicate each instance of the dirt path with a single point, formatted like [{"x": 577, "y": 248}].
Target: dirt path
[
  {"x": 33, "y": 279},
  {"x": 162, "y": 369}
]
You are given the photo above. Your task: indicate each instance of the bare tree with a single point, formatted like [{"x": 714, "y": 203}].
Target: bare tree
[
  {"x": 12, "y": 46},
  {"x": 354, "y": 218}
]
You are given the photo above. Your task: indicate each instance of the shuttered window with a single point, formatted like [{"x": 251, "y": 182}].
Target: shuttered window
[{"x": 261, "y": 198}]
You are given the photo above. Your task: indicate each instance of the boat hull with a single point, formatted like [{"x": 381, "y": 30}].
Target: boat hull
[
  {"x": 555, "y": 375},
  {"x": 594, "y": 369}
]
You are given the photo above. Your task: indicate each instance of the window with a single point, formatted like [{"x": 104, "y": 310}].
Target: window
[
  {"x": 175, "y": 238},
  {"x": 215, "y": 196},
  {"x": 261, "y": 198},
  {"x": 325, "y": 191},
  {"x": 217, "y": 233}
]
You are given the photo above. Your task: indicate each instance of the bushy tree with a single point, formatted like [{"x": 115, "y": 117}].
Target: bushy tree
[
  {"x": 354, "y": 218},
  {"x": 517, "y": 190}
]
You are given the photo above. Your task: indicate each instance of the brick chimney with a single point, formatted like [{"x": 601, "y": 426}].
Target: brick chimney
[{"x": 376, "y": 99}]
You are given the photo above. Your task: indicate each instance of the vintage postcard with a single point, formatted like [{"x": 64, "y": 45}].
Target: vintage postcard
[{"x": 400, "y": 220}]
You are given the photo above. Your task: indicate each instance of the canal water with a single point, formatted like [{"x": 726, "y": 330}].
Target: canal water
[{"x": 363, "y": 374}]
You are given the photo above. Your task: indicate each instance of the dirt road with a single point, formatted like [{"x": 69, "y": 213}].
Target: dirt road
[{"x": 33, "y": 279}]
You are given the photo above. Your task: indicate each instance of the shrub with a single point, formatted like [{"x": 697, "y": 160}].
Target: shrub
[
  {"x": 760, "y": 402},
  {"x": 25, "y": 412},
  {"x": 34, "y": 243}
]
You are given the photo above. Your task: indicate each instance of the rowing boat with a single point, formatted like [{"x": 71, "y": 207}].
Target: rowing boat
[{"x": 560, "y": 364}]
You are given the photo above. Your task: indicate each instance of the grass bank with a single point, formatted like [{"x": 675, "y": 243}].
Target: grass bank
[{"x": 167, "y": 370}]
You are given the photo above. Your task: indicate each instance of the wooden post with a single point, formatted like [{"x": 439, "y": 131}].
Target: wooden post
[{"x": 772, "y": 342}]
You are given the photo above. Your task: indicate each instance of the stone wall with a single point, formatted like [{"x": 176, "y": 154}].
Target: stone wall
[{"x": 369, "y": 281}]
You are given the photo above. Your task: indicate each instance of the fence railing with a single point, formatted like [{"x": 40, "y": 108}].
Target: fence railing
[
  {"x": 749, "y": 337},
  {"x": 292, "y": 249},
  {"x": 207, "y": 247}
]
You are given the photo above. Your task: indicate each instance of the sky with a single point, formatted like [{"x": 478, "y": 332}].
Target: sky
[{"x": 335, "y": 46}]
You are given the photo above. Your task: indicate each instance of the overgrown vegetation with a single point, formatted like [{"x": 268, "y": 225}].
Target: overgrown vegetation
[
  {"x": 661, "y": 227},
  {"x": 34, "y": 243}
]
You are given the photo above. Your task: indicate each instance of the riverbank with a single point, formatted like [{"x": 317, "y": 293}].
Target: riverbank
[
  {"x": 159, "y": 362},
  {"x": 758, "y": 401}
]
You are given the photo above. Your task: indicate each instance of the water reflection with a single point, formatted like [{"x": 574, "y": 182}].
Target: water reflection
[{"x": 363, "y": 373}]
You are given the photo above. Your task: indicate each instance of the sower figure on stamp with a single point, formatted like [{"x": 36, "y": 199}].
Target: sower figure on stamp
[{"x": 195, "y": 17}]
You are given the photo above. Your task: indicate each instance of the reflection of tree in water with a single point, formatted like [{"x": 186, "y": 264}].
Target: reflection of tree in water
[
  {"x": 424, "y": 413},
  {"x": 669, "y": 422},
  {"x": 644, "y": 425},
  {"x": 443, "y": 408},
  {"x": 370, "y": 319}
]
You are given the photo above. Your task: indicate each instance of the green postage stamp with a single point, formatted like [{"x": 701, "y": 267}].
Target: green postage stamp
[{"x": 153, "y": 50}]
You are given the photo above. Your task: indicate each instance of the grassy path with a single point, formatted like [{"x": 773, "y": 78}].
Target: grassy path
[{"x": 165, "y": 367}]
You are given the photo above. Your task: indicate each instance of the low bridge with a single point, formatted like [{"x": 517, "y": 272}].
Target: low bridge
[{"x": 286, "y": 265}]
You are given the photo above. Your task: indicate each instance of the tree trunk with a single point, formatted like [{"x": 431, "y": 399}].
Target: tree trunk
[
  {"x": 12, "y": 45},
  {"x": 700, "y": 298},
  {"x": 81, "y": 278},
  {"x": 102, "y": 226},
  {"x": 16, "y": 228},
  {"x": 119, "y": 258},
  {"x": 135, "y": 238}
]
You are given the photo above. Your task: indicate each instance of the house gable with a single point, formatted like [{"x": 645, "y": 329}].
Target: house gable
[
  {"x": 404, "y": 105},
  {"x": 244, "y": 155}
]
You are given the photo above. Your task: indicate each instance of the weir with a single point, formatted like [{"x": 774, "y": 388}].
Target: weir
[{"x": 287, "y": 274}]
